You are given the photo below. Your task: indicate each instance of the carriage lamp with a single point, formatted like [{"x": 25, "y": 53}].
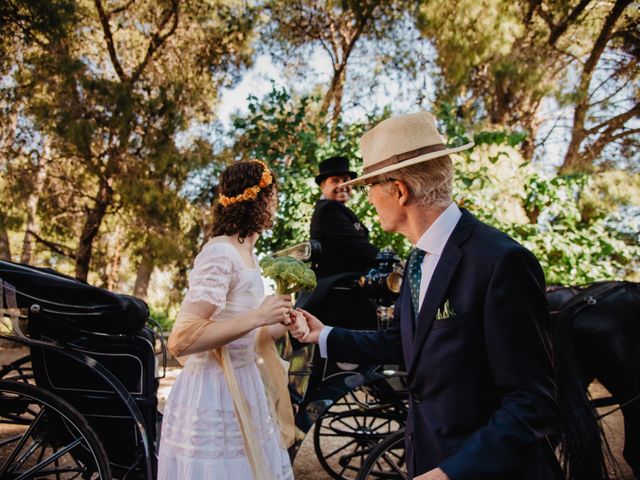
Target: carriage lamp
[
  {"x": 383, "y": 282},
  {"x": 394, "y": 281}
]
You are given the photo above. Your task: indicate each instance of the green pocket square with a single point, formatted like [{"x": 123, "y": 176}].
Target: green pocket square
[{"x": 445, "y": 312}]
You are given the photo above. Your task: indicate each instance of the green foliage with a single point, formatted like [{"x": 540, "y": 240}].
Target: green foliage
[
  {"x": 290, "y": 274},
  {"x": 575, "y": 225},
  {"x": 109, "y": 91},
  {"x": 504, "y": 62},
  {"x": 289, "y": 135},
  {"x": 162, "y": 321},
  {"x": 484, "y": 55},
  {"x": 113, "y": 107},
  {"x": 279, "y": 131}
]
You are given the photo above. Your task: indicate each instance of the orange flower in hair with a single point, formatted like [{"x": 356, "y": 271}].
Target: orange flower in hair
[{"x": 250, "y": 193}]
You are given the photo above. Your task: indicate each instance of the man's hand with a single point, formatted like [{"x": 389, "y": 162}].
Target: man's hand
[
  {"x": 315, "y": 327},
  {"x": 435, "y": 474}
]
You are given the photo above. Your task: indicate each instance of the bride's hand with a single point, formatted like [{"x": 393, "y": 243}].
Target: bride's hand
[
  {"x": 274, "y": 309},
  {"x": 298, "y": 325}
]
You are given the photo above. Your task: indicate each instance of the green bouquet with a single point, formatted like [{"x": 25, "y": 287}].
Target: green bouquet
[{"x": 290, "y": 274}]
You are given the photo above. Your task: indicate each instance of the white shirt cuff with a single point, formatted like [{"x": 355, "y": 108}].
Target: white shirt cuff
[{"x": 322, "y": 340}]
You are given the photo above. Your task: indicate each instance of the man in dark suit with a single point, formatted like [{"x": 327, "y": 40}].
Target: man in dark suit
[
  {"x": 471, "y": 323},
  {"x": 344, "y": 239}
]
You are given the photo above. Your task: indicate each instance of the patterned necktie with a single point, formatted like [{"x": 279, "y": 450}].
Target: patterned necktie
[{"x": 414, "y": 274}]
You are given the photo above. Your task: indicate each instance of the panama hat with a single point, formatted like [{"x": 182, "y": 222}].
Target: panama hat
[
  {"x": 334, "y": 166},
  {"x": 399, "y": 142}
]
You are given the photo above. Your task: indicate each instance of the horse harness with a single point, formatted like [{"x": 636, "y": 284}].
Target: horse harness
[{"x": 587, "y": 297}]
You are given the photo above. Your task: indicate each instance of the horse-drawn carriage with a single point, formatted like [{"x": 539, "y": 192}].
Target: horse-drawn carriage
[
  {"x": 353, "y": 407},
  {"x": 84, "y": 404}
]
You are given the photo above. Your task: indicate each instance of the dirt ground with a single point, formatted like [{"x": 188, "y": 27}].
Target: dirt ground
[{"x": 306, "y": 465}]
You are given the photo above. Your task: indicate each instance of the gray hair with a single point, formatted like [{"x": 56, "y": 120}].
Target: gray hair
[{"x": 430, "y": 182}]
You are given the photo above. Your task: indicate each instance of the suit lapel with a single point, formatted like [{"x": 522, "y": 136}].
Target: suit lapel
[{"x": 442, "y": 276}]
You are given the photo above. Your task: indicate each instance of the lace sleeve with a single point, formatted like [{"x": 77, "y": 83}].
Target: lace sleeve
[{"x": 211, "y": 277}]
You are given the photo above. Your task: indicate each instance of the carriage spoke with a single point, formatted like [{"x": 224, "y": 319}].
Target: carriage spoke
[
  {"x": 26, "y": 454},
  {"x": 341, "y": 447},
  {"x": 373, "y": 420},
  {"x": 32, "y": 411},
  {"x": 347, "y": 404},
  {"x": 332, "y": 434},
  {"x": 360, "y": 452},
  {"x": 57, "y": 464},
  {"x": 350, "y": 427},
  {"x": 43, "y": 448},
  {"x": 386, "y": 468},
  {"x": 356, "y": 421},
  {"x": 20, "y": 444},
  {"x": 56, "y": 444},
  {"x": 343, "y": 470},
  {"x": 49, "y": 460},
  {"x": 393, "y": 464},
  {"x": 9, "y": 440},
  {"x": 384, "y": 424}
]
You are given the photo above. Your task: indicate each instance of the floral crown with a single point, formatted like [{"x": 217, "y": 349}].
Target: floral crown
[{"x": 250, "y": 193}]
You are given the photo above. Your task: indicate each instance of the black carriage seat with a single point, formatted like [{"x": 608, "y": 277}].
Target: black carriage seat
[
  {"x": 74, "y": 303},
  {"x": 109, "y": 328},
  {"x": 130, "y": 359}
]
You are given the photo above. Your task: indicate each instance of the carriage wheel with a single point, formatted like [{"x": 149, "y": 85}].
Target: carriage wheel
[
  {"x": 386, "y": 461},
  {"x": 349, "y": 429},
  {"x": 20, "y": 370},
  {"x": 42, "y": 436}
]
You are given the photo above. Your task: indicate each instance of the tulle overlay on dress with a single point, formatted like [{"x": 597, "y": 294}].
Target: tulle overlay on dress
[{"x": 201, "y": 437}]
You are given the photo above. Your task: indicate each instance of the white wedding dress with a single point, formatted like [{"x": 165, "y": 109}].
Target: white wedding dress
[{"x": 201, "y": 437}]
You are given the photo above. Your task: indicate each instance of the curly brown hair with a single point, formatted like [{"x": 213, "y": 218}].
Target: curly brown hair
[{"x": 247, "y": 217}]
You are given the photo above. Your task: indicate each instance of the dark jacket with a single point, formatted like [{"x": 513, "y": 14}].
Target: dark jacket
[
  {"x": 344, "y": 240},
  {"x": 481, "y": 382}
]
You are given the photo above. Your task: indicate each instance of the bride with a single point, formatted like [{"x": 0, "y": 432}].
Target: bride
[{"x": 228, "y": 416}]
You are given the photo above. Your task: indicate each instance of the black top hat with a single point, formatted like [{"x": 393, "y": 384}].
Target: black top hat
[{"x": 334, "y": 166}]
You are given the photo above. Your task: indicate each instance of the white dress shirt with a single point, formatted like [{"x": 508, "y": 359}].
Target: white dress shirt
[{"x": 432, "y": 241}]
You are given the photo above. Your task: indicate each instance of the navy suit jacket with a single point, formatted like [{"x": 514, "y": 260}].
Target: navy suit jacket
[{"x": 481, "y": 382}]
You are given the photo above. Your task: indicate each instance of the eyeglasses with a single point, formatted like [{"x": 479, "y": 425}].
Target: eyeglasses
[{"x": 366, "y": 187}]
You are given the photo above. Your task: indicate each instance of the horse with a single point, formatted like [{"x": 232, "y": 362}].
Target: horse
[{"x": 596, "y": 336}]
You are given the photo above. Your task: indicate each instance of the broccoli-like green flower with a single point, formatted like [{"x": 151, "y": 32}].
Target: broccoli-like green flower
[{"x": 291, "y": 275}]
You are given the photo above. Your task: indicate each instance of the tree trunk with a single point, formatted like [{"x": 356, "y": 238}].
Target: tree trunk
[
  {"x": 145, "y": 268},
  {"x": 5, "y": 247},
  {"x": 337, "y": 96},
  {"x": 334, "y": 94},
  {"x": 113, "y": 267},
  {"x": 531, "y": 125},
  {"x": 32, "y": 210},
  {"x": 573, "y": 160},
  {"x": 90, "y": 229},
  {"x": 500, "y": 106}
]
